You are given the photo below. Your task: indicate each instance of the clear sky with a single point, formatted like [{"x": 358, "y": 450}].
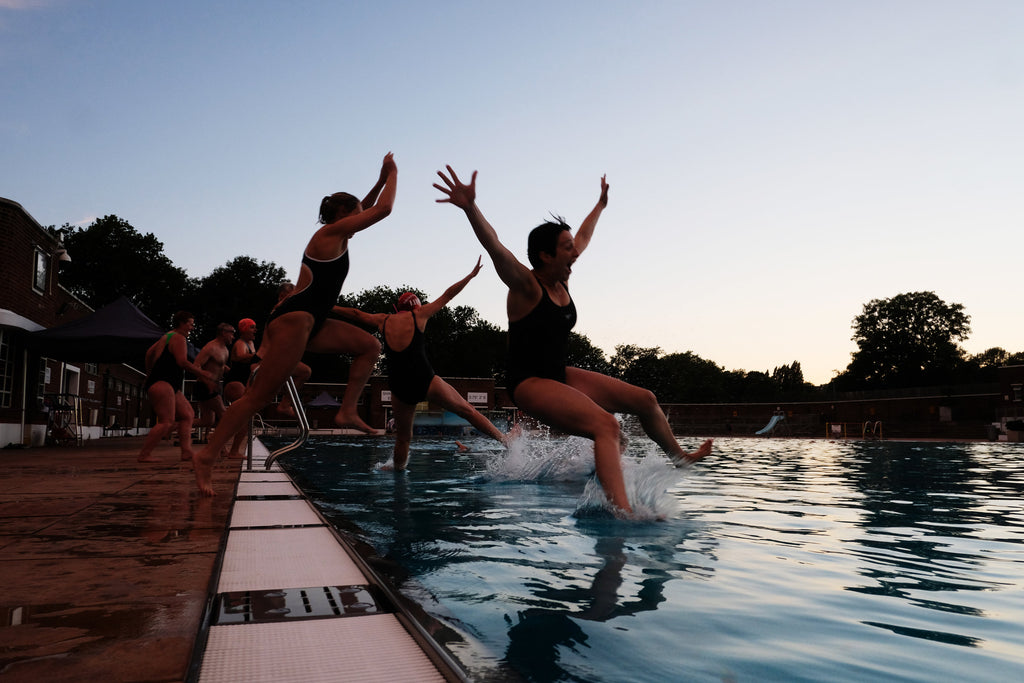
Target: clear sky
[{"x": 773, "y": 165}]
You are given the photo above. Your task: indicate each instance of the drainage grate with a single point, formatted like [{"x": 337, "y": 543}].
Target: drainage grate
[{"x": 291, "y": 604}]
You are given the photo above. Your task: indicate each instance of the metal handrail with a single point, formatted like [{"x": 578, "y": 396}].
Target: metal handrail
[{"x": 300, "y": 413}]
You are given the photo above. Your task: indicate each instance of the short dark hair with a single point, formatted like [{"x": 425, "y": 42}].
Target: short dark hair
[
  {"x": 333, "y": 207},
  {"x": 180, "y": 318},
  {"x": 544, "y": 238}
]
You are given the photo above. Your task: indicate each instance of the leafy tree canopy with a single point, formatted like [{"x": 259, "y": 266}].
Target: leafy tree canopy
[
  {"x": 111, "y": 258},
  {"x": 241, "y": 288},
  {"x": 908, "y": 340}
]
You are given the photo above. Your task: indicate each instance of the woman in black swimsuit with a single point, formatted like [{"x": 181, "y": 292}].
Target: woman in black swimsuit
[
  {"x": 410, "y": 375},
  {"x": 299, "y": 322},
  {"x": 166, "y": 361},
  {"x": 541, "y": 313}
]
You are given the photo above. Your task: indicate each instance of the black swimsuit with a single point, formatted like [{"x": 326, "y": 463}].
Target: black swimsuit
[
  {"x": 409, "y": 370},
  {"x": 321, "y": 294},
  {"x": 538, "y": 343},
  {"x": 239, "y": 370},
  {"x": 166, "y": 368},
  {"x": 201, "y": 392}
]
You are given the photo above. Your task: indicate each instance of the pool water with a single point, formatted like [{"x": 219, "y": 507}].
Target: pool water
[{"x": 772, "y": 560}]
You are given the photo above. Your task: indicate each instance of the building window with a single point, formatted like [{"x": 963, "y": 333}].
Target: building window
[
  {"x": 1018, "y": 390},
  {"x": 6, "y": 370},
  {"x": 44, "y": 377},
  {"x": 41, "y": 272}
]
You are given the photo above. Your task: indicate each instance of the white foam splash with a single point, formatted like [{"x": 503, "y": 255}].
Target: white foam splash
[{"x": 539, "y": 457}]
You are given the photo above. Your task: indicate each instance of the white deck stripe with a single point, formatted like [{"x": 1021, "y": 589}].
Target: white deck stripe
[
  {"x": 367, "y": 649},
  {"x": 265, "y": 559},
  {"x": 264, "y": 476},
  {"x": 267, "y": 488},
  {"x": 272, "y": 513}
]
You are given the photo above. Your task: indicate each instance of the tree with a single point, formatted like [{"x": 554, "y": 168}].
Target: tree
[
  {"x": 584, "y": 355},
  {"x": 110, "y": 258},
  {"x": 459, "y": 343},
  {"x": 789, "y": 381},
  {"x": 908, "y": 340},
  {"x": 241, "y": 288},
  {"x": 688, "y": 378},
  {"x": 635, "y": 364}
]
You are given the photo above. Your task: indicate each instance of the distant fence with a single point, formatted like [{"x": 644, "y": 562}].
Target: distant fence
[{"x": 871, "y": 429}]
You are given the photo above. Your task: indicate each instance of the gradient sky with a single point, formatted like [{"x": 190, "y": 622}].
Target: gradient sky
[{"x": 774, "y": 166}]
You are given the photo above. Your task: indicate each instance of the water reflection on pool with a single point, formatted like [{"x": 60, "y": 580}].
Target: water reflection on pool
[{"x": 780, "y": 559}]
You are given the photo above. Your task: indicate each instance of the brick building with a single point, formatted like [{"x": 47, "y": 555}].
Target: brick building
[{"x": 42, "y": 399}]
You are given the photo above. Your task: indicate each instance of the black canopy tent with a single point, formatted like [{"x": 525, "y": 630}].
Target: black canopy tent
[
  {"x": 324, "y": 400},
  {"x": 117, "y": 333}
]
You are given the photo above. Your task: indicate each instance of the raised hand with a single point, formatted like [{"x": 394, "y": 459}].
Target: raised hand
[
  {"x": 457, "y": 193},
  {"x": 389, "y": 166}
]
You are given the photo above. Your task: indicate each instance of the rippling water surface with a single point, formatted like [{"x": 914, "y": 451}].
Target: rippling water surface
[{"x": 773, "y": 560}]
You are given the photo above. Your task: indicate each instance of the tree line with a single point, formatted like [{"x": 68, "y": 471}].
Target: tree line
[{"x": 909, "y": 340}]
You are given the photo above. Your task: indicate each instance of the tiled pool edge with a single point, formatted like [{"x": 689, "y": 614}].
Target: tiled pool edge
[{"x": 257, "y": 631}]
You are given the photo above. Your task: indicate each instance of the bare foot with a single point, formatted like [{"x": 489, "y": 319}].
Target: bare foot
[
  {"x": 148, "y": 458},
  {"x": 187, "y": 455},
  {"x": 202, "y": 465},
  {"x": 690, "y": 458},
  {"x": 354, "y": 422},
  {"x": 461, "y": 446}
]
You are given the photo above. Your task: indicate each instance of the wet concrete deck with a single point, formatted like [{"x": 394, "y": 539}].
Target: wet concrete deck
[{"x": 105, "y": 562}]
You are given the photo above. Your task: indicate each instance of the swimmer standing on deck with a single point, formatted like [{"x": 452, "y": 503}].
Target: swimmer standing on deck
[{"x": 541, "y": 314}]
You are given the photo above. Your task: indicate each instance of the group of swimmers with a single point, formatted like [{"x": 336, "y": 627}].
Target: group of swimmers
[{"x": 540, "y": 311}]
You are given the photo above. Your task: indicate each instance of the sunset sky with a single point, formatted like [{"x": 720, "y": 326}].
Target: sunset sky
[{"x": 773, "y": 165}]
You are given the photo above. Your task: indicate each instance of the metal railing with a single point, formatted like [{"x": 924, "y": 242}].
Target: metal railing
[{"x": 300, "y": 414}]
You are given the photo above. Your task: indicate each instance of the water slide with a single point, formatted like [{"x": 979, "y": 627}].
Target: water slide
[{"x": 767, "y": 429}]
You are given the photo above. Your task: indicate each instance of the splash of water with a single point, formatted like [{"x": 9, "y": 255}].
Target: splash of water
[{"x": 539, "y": 457}]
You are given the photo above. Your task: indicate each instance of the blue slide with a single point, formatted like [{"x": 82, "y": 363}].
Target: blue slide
[{"x": 776, "y": 419}]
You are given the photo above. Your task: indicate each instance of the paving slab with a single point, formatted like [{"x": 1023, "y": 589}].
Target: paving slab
[{"x": 105, "y": 562}]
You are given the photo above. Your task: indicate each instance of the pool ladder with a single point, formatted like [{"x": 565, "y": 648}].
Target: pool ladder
[
  {"x": 872, "y": 430},
  {"x": 300, "y": 413}
]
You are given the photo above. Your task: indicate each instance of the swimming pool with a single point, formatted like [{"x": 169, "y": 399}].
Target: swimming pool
[{"x": 778, "y": 560}]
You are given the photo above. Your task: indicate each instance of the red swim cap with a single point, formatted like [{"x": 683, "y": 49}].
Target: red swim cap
[
  {"x": 408, "y": 302},
  {"x": 246, "y": 325}
]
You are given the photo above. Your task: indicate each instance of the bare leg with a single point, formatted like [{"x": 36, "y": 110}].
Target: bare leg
[
  {"x": 236, "y": 444},
  {"x": 161, "y": 397},
  {"x": 617, "y": 396},
  {"x": 185, "y": 416},
  {"x": 341, "y": 337},
  {"x": 445, "y": 394},
  {"x": 289, "y": 333},
  {"x": 404, "y": 414},
  {"x": 570, "y": 410},
  {"x": 299, "y": 377}
]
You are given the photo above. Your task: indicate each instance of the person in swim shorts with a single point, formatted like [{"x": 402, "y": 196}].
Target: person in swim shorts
[
  {"x": 410, "y": 375},
  {"x": 541, "y": 314},
  {"x": 299, "y": 322},
  {"x": 213, "y": 358},
  {"x": 166, "y": 363}
]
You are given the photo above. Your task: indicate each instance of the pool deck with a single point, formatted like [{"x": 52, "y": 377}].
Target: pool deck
[{"x": 116, "y": 570}]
